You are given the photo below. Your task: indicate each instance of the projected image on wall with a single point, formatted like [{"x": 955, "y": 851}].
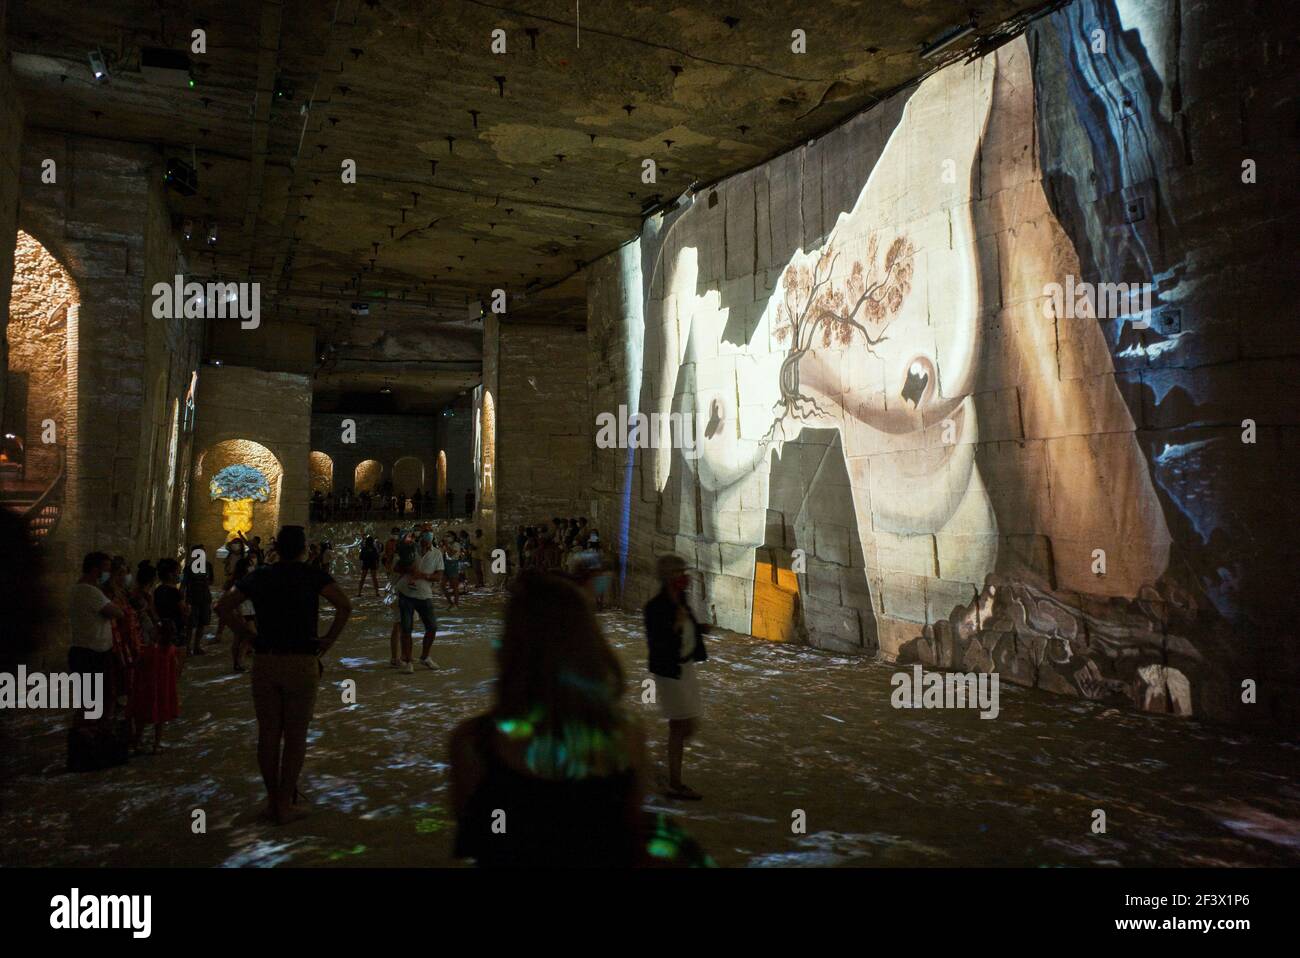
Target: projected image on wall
[{"x": 901, "y": 425}]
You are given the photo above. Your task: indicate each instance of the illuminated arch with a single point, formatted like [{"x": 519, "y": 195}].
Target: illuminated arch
[
  {"x": 40, "y": 386},
  {"x": 367, "y": 476},
  {"x": 321, "y": 469},
  {"x": 488, "y": 464},
  {"x": 206, "y": 513}
]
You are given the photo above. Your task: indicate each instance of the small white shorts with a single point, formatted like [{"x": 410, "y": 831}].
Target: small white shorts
[{"x": 679, "y": 698}]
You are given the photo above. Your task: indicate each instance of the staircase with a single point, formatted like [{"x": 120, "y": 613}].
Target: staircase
[{"x": 38, "y": 505}]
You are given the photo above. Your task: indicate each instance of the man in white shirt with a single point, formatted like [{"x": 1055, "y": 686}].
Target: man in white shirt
[
  {"x": 415, "y": 597},
  {"x": 90, "y": 617}
]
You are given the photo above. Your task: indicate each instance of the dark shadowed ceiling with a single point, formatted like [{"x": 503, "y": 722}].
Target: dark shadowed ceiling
[{"x": 475, "y": 170}]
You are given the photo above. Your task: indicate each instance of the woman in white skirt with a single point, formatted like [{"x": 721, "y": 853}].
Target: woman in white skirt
[{"x": 676, "y": 641}]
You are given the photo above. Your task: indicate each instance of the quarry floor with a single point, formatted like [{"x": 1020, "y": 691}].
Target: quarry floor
[{"x": 785, "y": 729}]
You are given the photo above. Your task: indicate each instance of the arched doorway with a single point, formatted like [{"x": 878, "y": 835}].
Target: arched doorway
[
  {"x": 488, "y": 453},
  {"x": 408, "y": 476},
  {"x": 367, "y": 476},
  {"x": 209, "y": 509},
  {"x": 39, "y": 394},
  {"x": 321, "y": 468}
]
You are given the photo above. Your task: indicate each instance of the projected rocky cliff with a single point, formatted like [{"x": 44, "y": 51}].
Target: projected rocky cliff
[{"x": 969, "y": 386}]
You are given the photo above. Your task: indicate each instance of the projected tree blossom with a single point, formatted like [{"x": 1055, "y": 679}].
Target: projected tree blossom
[
  {"x": 814, "y": 307},
  {"x": 239, "y": 486}
]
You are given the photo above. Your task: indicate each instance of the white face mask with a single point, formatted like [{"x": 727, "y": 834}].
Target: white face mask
[
  {"x": 130, "y": 581},
  {"x": 103, "y": 578}
]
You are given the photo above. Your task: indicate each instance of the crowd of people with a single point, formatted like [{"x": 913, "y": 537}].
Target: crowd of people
[
  {"x": 556, "y": 749},
  {"x": 385, "y": 503},
  {"x": 566, "y": 546},
  {"x": 131, "y": 627}
]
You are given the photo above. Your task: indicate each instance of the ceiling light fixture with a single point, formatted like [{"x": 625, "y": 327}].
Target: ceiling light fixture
[{"x": 97, "y": 66}]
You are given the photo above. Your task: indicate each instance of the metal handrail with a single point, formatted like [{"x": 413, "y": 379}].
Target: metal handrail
[{"x": 31, "y": 517}]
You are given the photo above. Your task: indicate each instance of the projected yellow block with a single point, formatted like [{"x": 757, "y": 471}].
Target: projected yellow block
[
  {"x": 237, "y": 516},
  {"x": 776, "y": 601}
]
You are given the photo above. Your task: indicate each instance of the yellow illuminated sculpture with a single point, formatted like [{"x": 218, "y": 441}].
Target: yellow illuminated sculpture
[{"x": 239, "y": 487}]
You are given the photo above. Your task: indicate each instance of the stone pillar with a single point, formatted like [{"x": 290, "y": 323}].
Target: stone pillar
[
  {"x": 544, "y": 438},
  {"x": 11, "y": 133}
]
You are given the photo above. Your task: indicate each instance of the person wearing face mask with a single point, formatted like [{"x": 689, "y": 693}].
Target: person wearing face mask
[
  {"x": 173, "y": 610},
  {"x": 676, "y": 644},
  {"x": 154, "y": 699},
  {"x": 90, "y": 617},
  {"x": 415, "y": 597}
]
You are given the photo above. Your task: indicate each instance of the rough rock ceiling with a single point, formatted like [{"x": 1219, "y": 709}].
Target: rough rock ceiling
[{"x": 475, "y": 170}]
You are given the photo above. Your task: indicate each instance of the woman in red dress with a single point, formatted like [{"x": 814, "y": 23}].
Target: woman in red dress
[{"x": 157, "y": 669}]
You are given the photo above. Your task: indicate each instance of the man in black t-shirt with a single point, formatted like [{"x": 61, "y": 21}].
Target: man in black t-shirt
[{"x": 286, "y": 669}]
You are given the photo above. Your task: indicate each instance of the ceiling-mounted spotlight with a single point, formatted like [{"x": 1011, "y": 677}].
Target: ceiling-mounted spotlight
[
  {"x": 212, "y": 235},
  {"x": 937, "y": 46},
  {"x": 187, "y": 230},
  {"x": 97, "y": 66}
]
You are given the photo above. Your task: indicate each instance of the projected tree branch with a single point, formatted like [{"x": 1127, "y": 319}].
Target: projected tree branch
[{"x": 815, "y": 309}]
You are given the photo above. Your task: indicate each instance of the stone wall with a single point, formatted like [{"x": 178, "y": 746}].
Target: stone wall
[
  {"x": 911, "y": 444},
  {"x": 386, "y": 439},
  {"x": 104, "y": 220},
  {"x": 273, "y": 345},
  {"x": 36, "y": 389},
  {"x": 11, "y": 138},
  {"x": 172, "y": 353},
  {"x": 456, "y": 437},
  {"x": 543, "y": 435},
  {"x": 269, "y": 409}
]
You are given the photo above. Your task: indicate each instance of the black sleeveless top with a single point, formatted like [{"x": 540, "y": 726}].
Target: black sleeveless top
[{"x": 541, "y": 822}]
